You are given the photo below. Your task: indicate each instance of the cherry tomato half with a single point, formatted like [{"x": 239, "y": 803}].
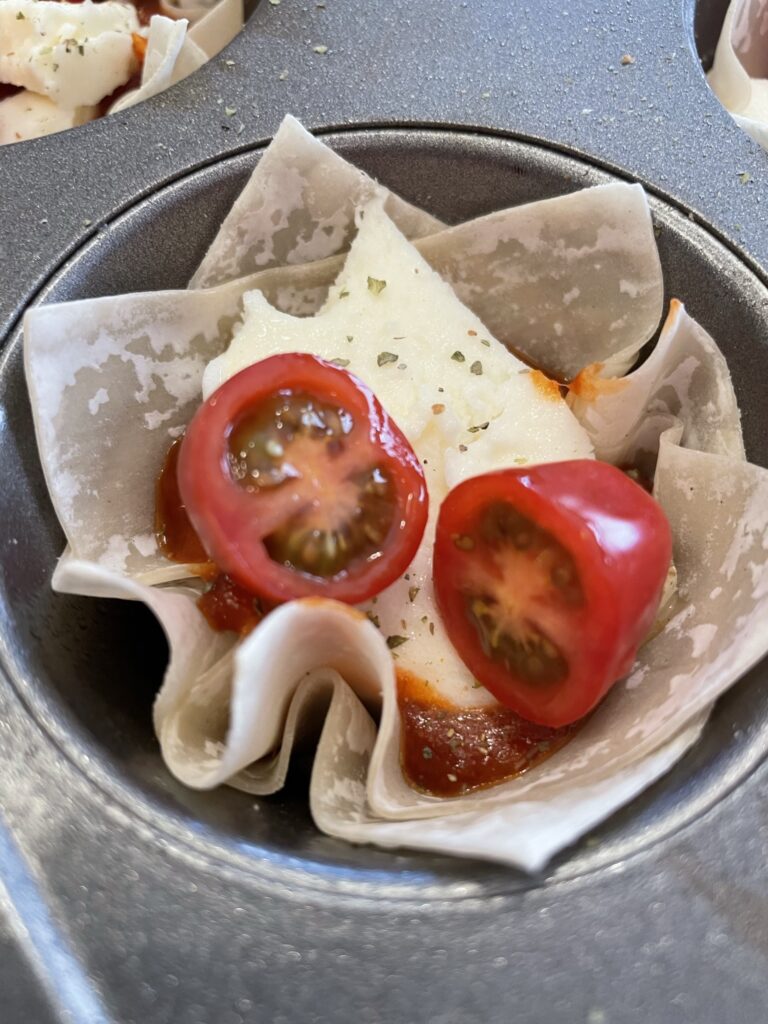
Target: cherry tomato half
[
  {"x": 548, "y": 578},
  {"x": 298, "y": 483}
]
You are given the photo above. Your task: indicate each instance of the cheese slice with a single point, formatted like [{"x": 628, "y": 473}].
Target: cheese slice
[
  {"x": 465, "y": 403},
  {"x": 75, "y": 54},
  {"x": 28, "y": 116}
]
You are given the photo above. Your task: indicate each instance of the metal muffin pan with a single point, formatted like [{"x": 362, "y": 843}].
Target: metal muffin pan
[{"x": 127, "y": 897}]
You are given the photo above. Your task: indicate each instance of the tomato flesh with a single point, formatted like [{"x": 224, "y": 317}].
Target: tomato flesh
[
  {"x": 298, "y": 483},
  {"x": 548, "y": 579}
]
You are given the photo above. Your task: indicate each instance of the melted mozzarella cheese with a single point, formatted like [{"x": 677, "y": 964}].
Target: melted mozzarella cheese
[
  {"x": 465, "y": 403},
  {"x": 28, "y": 116},
  {"x": 75, "y": 54}
]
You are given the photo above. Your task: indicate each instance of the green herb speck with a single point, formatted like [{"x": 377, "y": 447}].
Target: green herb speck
[
  {"x": 383, "y": 358},
  {"x": 458, "y": 357},
  {"x": 426, "y": 753},
  {"x": 476, "y": 368},
  {"x": 376, "y": 286},
  {"x": 412, "y": 593},
  {"x": 340, "y": 362},
  {"x": 395, "y": 641}
]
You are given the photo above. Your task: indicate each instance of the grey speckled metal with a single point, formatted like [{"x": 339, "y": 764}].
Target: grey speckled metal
[{"x": 125, "y": 897}]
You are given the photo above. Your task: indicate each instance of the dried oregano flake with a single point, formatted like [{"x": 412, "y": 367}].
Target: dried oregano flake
[{"x": 395, "y": 641}]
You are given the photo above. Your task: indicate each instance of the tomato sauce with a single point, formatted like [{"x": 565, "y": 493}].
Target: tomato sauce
[
  {"x": 175, "y": 533},
  {"x": 447, "y": 751},
  {"x": 589, "y": 385},
  {"x": 546, "y": 386},
  {"x": 226, "y": 605},
  {"x": 549, "y": 375},
  {"x": 6, "y": 90},
  {"x": 146, "y": 9}
]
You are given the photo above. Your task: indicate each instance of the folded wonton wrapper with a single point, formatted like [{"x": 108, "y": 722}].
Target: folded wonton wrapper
[
  {"x": 174, "y": 52},
  {"x": 739, "y": 75},
  {"x": 112, "y": 380}
]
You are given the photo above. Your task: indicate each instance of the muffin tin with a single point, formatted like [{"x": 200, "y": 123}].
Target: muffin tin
[{"x": 129, "y": 898}]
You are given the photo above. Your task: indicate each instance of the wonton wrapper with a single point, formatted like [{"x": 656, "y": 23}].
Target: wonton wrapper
[
  {"x": 175, "y": 50},
  {"x": 739, "y": 75},
  {"x": 171, "y": 55},
  {"x": 230, "y": 713},
  {"x": 298, "y": 206},
  {"x": 181, "y": 43},
  {"x": 192, "y": 10},
  {"x": 215, "y": 26}
]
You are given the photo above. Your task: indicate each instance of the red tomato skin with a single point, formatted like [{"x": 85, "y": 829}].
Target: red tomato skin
[
  {"x": 621, "y": 544},
  {"x": 224, "y": 515}
]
